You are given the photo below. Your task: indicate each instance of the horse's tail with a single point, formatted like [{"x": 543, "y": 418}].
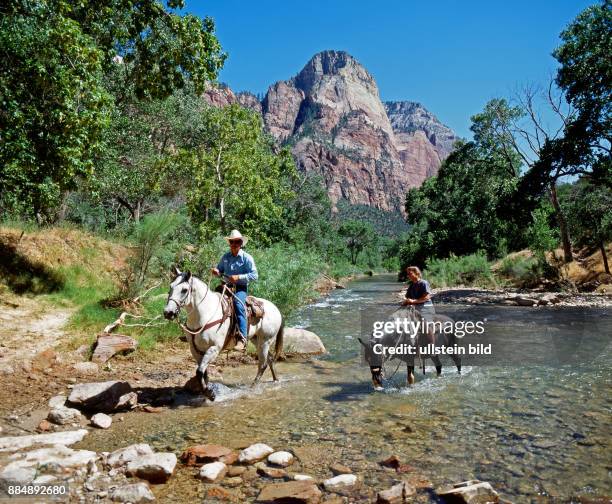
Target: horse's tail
[{"x": 278, "y": 348}]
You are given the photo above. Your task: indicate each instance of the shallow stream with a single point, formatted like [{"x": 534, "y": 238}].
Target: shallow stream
[{"x": 532, "y": 431}]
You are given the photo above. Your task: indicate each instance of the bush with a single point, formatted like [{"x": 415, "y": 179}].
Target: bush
[
  {"x": 151, "y": 238},
  {"x": 286, "y": 275},
  {"x": 469, "y": 270},
  {"x": 521, "y": 271}
]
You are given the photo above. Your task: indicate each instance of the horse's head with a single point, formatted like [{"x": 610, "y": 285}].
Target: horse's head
[{"x": 179, "y": 294}]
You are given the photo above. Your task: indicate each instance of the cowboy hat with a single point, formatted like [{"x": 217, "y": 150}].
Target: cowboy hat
[{"x": 235, "y": 235}]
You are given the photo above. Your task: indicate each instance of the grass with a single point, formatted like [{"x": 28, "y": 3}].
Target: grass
[{"x": 471, "y": 271}]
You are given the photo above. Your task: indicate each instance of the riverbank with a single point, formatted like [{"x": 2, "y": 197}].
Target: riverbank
[{"x": 519, "y": 297}]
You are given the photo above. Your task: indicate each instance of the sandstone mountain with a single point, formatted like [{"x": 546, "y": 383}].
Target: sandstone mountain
[{"x": 330, "y": 113}]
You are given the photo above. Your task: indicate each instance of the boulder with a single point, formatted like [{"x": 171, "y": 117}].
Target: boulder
[
  {"x": 302, "y": 342},
  {"x": 59, "y": 456},
  {"x": 15, "y": 475},
  {"x": 281, "y": 458},
  {"x": 201, "y": 454},
  {"x": 57, "y": 401},
  {"x": 550, "y": 298},
  {"x": 102, "y": 396},
  {"x": 213, "y": 472},
  {"x": 122, "y": 456},
  {"x": 396, "y": 494},
  {"x": 254, "y": 453},
  {"x": 108, "y": 345},
  {"x": 63, "y": 415},
  {"x": 469, "y": 492},
  {"x": 101, "y": 420},
  {"x": 525, "y": 301},
  {"x": 155, "y": 468},
  {"x": 337, "y": 469},
  {"x": 235, "y": 471},
  {"x": 270, "y": 472},
  {"x": 15, "y": 443},
  {"x": 134, "y": 493},
  {"x": 305, "y": 492},
  {"x": 340, "y": 482}
]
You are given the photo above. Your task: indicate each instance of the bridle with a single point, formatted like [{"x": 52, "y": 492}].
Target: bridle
[{"x": 182, "y": 302}]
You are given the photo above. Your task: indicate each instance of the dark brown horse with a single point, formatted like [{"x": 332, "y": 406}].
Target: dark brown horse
[{"x": 422, "y": 344}]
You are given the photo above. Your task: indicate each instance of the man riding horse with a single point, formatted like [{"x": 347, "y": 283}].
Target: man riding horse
[{"x": 237, "y": 267}]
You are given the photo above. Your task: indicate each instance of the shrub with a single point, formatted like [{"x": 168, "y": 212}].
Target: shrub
[
  {"x": 521, "y": 271},
  {"x": 469, "y": 270}
]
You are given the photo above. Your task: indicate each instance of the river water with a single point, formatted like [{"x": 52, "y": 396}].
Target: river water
[{"x": 536, "y": 432}]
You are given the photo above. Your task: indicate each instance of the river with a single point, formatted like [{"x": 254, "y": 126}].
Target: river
[{"x": 532, "y": 430}]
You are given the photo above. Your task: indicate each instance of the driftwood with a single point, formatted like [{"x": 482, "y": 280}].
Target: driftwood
[{"x": 108, "y": 345}]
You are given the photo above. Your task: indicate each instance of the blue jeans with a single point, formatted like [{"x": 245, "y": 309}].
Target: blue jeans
[{"x": 241, "y": 316}]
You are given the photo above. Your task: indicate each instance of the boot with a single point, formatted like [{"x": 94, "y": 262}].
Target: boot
[{"x": 241, "y": 344}]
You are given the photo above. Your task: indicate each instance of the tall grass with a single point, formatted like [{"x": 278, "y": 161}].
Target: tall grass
[{"x": 471, "y": 270}]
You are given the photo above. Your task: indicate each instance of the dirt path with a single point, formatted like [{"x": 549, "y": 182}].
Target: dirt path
[{"x": 27, "y": 328}]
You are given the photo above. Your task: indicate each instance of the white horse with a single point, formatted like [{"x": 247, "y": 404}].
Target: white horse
[{"x": 206, "y": 328}]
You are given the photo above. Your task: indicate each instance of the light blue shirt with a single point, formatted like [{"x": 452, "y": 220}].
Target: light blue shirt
[{"x": 241, "y": 264}]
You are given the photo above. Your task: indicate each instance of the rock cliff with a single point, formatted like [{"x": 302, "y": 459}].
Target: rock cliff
[{"x": 331, "y": 115}]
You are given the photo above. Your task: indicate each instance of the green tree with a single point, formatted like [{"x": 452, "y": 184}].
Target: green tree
[
  {"x": 55, "y": 57},
  {"x": 589, "y": 208},
  {"x": 357, "y": 236},
  {"x": 54, "y": 109},
  {"x": 237, "y": 178},
  {"x": 462, "y": 209},
  {"x": 585, "y": 74},
  {"x": 139, "y": 164}
]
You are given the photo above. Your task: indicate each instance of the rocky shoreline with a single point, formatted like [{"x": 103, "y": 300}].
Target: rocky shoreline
[
  {"x": 257, "y": 472},
  {"x": 519, "y": 297}
]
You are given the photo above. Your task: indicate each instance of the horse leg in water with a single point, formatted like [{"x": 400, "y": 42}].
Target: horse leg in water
[
  {"x": 457, "y": 361},
  {"x": 410, "y": 377},
  {"x": 410, "y": 370},
  {"x": 263, "y": 359},
  {"x": 202, "y": 372},
  {"x": 437, "y": 363}
]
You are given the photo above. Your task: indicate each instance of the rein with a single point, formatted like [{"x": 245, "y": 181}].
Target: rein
[{"x": 206, "y": 326}]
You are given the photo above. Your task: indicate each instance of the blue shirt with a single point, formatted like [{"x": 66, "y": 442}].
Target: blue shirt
[
  {"x": 241, "y": 264},
  {"x": 418, "y": 289}
]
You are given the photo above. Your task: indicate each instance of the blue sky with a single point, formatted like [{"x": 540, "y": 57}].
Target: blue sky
[{"x": 452, "y": 56}]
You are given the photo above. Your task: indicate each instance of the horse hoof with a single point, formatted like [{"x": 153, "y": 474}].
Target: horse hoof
[
  {"x": 378, "y": 388},
  {"x": 209, "y": 394}
]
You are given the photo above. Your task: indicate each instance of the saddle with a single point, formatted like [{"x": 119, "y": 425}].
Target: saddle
[{"x": 254, "y": 308}]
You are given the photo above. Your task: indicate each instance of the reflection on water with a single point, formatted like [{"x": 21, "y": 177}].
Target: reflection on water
[{"x": 529, "y": 430}]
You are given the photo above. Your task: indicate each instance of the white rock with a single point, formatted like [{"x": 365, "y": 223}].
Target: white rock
[
  {"x": 213, "y": 472},
  {"x": 59, "y": 456},
  {"x": 14, "y": 443},
  {"x": 340, "y": 482},
  {"x": 101, "y": 420},
  {"x": 57, "y": 401},
  {"x": 281, "y": 458},
  {"x": 302, "y": 477},
  {"x": 301, "y": 341},
  {"x": 124, "y": 455},
  {"x": 134, "y": 493},
  {"x": 63, "y": 415},
  {"x": 254, "y": 453},
  {"x": 15, "y": 475},
  {"x": 156, "y": 468}
]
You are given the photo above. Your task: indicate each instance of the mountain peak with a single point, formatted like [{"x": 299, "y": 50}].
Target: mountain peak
[{"x": 330, "y": 63}]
